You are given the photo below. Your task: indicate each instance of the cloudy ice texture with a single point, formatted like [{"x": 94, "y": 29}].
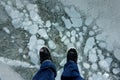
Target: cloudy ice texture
[{"x": 89, "y": 44}]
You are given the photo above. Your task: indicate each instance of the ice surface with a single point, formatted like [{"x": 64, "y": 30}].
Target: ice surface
[
  {"x": 51, "y": 44},
  {"x": 100, "y": 55},
  {"x": 67, "y": 41},
  {"x": 94, "y": 66},
  {"x": 84, "y": 29},
  {"x": 91, "y": 33},
  {"x": 6, "y": 30},
  {"x": 76, "y": 22},
  {"x": 33, "y": 57},
  {"x": 40, "y": 41},
  {"x": 62, "y": 63},
  {"x": 43, "y": 33},
  {"x": 16, "y": 63},
  {"x": 26, "y": 25},
  {"x": 20, "y": 50},
  {"x": 93, "y": 56},
  {"x": 19, "y": 4},
  {"x": 67, "y": 22},
  {"x": 73, "y": 39},
  {"x": 31, "y": 6},
  {"x": 59, "y": 73},
  {"x": 33, "y": 29},
  {"x": 89, "y": 45},
  {"x": 88, "y": 21},
  {"x": 100, "y": 37},
  {"x": 17, "y": 23},
  {"x": 48, "y": 23},
  {"x": 72, "y": 12},
  {"x": 39, "y": 44},
  {"x": 102, "y": 45},
  {"x": 7, "y": 73},
  {"x": 34, "y": 16},
  {"x": 73, "y": 32},
  {"x": 104, "y": 65},
  {"x": 57, "y": 55},
  {"x": 68, "y": 33},
  {"x": 30, "y": 20},
  {"x": 63, "y": 38},
  {"x": 117, "y": 54},
  {"x": 32, "y": 42},
  {"x": 116, "y": 70},
  {"x": 98, "y": 76},
  {"x": 86, "y": 65}
]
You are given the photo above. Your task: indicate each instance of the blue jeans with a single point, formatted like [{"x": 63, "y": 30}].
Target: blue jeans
[{"x": 48, "y": 72}]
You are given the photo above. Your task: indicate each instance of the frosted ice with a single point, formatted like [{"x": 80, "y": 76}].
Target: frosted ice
[
  {"x": 89, "y": 45},
  {"x": 72, "y": 12},
  {"x": 43, "y": 33},
  {"x": 20, "y": 50},
  {"x": 48, "y": 23},
  {"x": 33, "y": 29},
  {"x": 88, "y": 21},
  {"x": 26, "y": 25},
  {"x": 68, "y": 33},
  {"x": 63, "y": 38},
  {"x": 76, "y": 22},
  {"x": 73, "y": 32},
  {"x": 106, "y": 75},
  {"x": 73, "y": 39},
  {"x": 31, "y": 6},
  {"x": 34, "y": 16},
  {"x": 93, "y": 56},
  {"x": 32, "y": 42},
  {"x": 94, "y": 66},
  {"x": 100, "y": 37},
  {"x": 57, "y": 55},
  {"x": 109, "y": 61},
  {"x": 16, "y": 63},
  {"x": 40, "y": 41},
  {"x": 104, "y": 65},
  {"x": 78, "y": 44},
  {"x": 51, "y": 44},
  {"x": 84, "y": 29},
  {"x": 19, "y": 4},
  {"x": 98, "y": 77},
  {"x": 91, "y": 33},
  {"x": 67, "y": 41},
  {"x": 116, "y": 70},
  {"x": 117, "y": 54},
  {"x": 62, "y": 63},
  {"x": 102, "y": 45},
  {"x": 6, "y": 30},
  {"x": 67, "y": 22},
  {"x": 33, "y": 57},
  {"x": 86, "y": 65},
  {"x": 17, "y": 23}
]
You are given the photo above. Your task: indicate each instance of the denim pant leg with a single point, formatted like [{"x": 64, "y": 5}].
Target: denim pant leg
[
  {"x": 47, "y": 71},
  {"x": 71, "y": 72}
]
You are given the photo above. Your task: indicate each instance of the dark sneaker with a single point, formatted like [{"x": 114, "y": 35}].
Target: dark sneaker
[
  {"x": 72, "y": 55},
  {"x": 44, "y": 54}
]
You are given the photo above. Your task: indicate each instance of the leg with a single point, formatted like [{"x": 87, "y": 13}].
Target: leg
[
  {"x": 71, "y": 71},
  {"x": 47, "y": 70}
]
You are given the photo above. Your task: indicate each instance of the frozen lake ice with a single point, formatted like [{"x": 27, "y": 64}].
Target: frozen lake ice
[{"x": 26, "y": 26}]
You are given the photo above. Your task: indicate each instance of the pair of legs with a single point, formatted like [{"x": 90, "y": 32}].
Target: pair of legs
[{"x": 48, "y": 70}]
